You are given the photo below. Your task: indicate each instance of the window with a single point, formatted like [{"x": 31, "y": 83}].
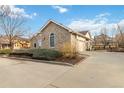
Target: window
[
  {"x": 35, "y": 45},
  {"x": 52, "y": 40}
]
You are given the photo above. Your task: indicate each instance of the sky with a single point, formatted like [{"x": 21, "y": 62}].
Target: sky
[{"x": 77, "y": 17}]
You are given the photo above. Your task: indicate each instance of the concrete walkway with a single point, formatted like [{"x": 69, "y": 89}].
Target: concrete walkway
[{"x": 101, "y": 69}]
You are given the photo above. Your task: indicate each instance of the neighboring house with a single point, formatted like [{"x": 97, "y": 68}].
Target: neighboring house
[
  {"x": 89, "y": 43},
  {"x": 19, "y": 43},
  {"x": 4, "y": 42},
  {"x": 54, "y": 35},
  {"x": 102, "y": 39}
]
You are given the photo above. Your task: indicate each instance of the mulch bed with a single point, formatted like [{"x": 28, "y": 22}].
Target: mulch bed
[{"x": 73, "y": 61}]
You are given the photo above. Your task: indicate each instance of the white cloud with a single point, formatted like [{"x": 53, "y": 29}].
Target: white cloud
[
  {"x": 60, "y": 9},
  {"x": 103, "y": 15},
  {"x": 83, "y": 24},
  {"x": 20, "y": 11},
  {"x": 93, "y": 25},
  {"x": 34, "y": 14}
]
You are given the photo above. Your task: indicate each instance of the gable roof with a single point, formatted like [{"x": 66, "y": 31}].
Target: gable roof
[
  {"x": 61, "y": 25},
  {"x": 84, "y": 32}
]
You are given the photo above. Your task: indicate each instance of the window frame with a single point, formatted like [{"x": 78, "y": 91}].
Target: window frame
[{"x": 50, "y": 40}]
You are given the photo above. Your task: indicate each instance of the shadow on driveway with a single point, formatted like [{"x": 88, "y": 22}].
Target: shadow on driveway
[{"x": 39, "y": 61}]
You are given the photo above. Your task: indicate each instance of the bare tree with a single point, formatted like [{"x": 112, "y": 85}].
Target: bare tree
[
  {"x": 4, "y": 10},
  {"x": 120, "y": 37},
  {"x": 95, "y": 39},
  {"x": 104, "y": 37},
  {"x": 11, "y": 23}
]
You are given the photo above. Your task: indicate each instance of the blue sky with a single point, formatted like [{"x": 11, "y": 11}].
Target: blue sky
[{"x": 77, "y": 17}]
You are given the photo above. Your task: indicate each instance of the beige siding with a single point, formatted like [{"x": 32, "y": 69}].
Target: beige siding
[
  {"x": 78, "y": 42},
  {"x": 73, "y": 41},
  {"x": 81, "y": 44},
  {"x": 88, "y": 35}
]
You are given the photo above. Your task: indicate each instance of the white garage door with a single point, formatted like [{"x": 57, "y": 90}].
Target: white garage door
[{"x": 81, "y": 46}]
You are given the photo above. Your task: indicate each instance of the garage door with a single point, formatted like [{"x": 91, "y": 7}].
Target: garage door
[{"x": 81, "y": 46}]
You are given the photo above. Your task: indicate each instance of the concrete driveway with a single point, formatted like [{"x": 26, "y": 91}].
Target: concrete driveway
[
  {"x": 18, "y": 73},
  {"x": 101, "y": 69}
]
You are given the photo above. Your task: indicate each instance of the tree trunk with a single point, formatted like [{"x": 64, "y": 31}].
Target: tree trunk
[{"x": 11, "y": 45}]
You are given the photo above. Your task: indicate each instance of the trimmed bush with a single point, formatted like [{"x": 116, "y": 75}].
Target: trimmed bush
[
  {"x": 45, "y": 54},
  {"x": 5, "y": 51},
  {"x": 21, "y": 54}
]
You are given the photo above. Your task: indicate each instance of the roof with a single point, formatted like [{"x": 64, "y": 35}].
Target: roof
[
  {"x": 84, "y": 32},
  {"x": 102, "y": 35},
  {"x": 63, "y": 26},
  {"x": 5, "y": 40},
  {"x": 22, "y": 38}
]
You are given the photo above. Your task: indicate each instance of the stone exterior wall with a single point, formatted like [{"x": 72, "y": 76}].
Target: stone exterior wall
[
  {"x": 35, "y": 40},
  {"x": 61, "y": 36}
]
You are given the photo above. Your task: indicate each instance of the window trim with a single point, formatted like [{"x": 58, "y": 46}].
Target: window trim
[{"x": 54, "y": 40}]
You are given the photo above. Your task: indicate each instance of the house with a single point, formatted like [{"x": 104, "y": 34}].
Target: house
[
  {"x": 19, "y": 43},
  {"x": 4, "y": 42},
  {"x": 54, "y": 35},
  {"x": 103, "y": 41},
  {"x": 89, "y": 43}
]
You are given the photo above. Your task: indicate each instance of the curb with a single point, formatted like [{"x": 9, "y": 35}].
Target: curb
[{"x": 40, "y": 61}]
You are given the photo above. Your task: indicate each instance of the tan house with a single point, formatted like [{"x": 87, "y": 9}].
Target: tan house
[
  {"x": 19, "y": 43},
  {"x": 54, "y": 35}
]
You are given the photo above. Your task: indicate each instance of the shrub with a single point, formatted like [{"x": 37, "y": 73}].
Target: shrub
[
  {"x": 20, "y": 54},
  {"x": 46, "y": 54},
  {"x": 5, "y": 51},
  {"x": 68, "y": 50},
  {"x": 98, "y": 47},
  {"x": 21, "y": 51}
]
